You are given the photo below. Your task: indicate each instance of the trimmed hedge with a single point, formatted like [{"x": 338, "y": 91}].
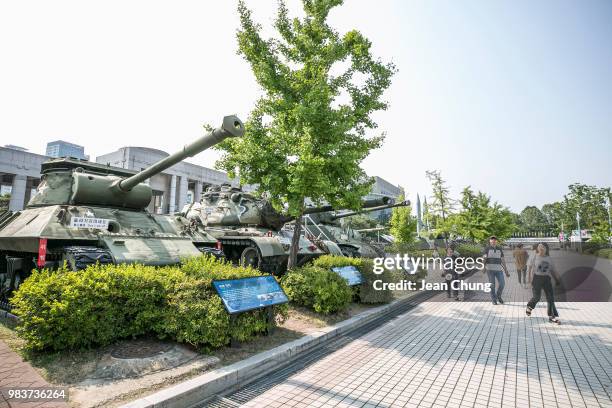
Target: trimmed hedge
[
  {"x": 366, "y": 292},
  {"x": 604, "y": 253},
  {"x": 317, "y": 288},
  {"x": 470, "y": 250},
  {"x": 104, "y": 303}
]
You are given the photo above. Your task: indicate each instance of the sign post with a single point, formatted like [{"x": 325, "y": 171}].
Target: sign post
[
  {"x": 350, "y": 274},
  {"x": 242, "y": 295},
  {"x": 609, "y": 222},
  {"x": 579, "y": 232}
]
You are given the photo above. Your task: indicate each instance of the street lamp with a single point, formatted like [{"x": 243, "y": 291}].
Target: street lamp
[
  {"x": 609, "y": 221},
  {"x": 579, "y": 230}
]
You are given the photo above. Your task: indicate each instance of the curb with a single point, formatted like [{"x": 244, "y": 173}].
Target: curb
[{"x": 207, "y": 385}]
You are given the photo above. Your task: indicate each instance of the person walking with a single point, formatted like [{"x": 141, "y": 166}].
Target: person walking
[
  {"x": 450, "y": 274},
  {"x": 448, "y": 271},
  {"x": 520, "y": 262},
  {"x": 495, "y": 267},
  {"x": 542, "y": 271}
]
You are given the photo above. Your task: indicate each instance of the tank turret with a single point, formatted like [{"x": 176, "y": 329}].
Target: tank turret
[
  {"x": 351, "y": 243},
  {"x": 251, "y": 231},
  {"x": 228, "y": 206},
  {"x": 75, "y": 182}
]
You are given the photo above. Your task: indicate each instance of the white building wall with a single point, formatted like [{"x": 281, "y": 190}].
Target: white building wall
[{"x": 184, "y": 174}]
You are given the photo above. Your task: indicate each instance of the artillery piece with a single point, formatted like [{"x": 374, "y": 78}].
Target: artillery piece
[
  {"x": 251, "y": 231},
  {"x": 84, "y": 213},
  {"x": 351, "y": 242}
]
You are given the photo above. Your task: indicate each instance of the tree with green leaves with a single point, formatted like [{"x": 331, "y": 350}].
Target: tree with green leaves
[
  {"x": 308, "y": 132},
  {"x": 403, "y": 225},
  {"x": 478, "y": 218},
  {"x": 590, "y": 203},
  {"x": 532, "y": 219},
  {"x": 472, "y": 222},
  {"x": 442, "y": 205}
]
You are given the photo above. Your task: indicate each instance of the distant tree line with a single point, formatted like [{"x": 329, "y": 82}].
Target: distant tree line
[
  {"x": 589, "y": 202},
  {"x": 474, "y": 216}
]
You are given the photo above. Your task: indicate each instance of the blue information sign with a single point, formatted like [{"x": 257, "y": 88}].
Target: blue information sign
[
  {"x": 241, "y": 295},
  {"x": 350, "y": 273}
]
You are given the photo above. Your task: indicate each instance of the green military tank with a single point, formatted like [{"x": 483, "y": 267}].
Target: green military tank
[
  {"x": 351, "y": 242},
  {"x": 252, "y": 232},
  {"x": 84, "y": 212}
]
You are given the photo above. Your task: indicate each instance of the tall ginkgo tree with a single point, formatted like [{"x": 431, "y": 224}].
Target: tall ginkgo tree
[{"x": 309, "y": 130}]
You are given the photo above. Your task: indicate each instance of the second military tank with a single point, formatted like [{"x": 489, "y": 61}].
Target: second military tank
[
  {"x": 351, "y": 242},
  {"x": 84, "y": 212},
  {"x": 252, "y": 232}
]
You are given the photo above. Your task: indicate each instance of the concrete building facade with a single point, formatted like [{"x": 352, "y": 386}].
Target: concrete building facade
[
  {"x": 172, "y": 190},
  {"x": 175, "y": 187},
  {"x": 19, "y": 175},
  {"x": 383, "y": 188},
  {"x": 60, "y": 148}
]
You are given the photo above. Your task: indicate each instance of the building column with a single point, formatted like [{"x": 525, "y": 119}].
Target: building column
[
  {"x": 18, "y": 191},
  {"x": 197, "y": 193},
  {"x": 183, "y": 189},
  {"x": 172, "y": 197}
]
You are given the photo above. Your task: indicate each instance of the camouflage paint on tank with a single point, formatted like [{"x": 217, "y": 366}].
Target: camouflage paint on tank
[{"x": 81, "y": 206}]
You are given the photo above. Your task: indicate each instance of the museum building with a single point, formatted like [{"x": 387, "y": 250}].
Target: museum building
[{"x": 172, "y": 189}]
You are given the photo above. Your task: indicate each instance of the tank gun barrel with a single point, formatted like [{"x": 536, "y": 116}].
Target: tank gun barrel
[
  {"x": 369, "y": 209},
  {"x": 365, "y": 204},
  {"x": 375, "y": 202},
  {"x": 231, "y": 127}
]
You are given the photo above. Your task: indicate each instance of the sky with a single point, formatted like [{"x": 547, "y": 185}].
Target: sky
[{"x": 513, "y": 98}]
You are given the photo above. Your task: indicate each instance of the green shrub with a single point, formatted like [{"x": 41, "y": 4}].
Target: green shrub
[
  {"x": 66, "y": 310},
  {"x": 470, "y": 250},
  {"x": 97, "y": 306},
  {"x": 320, "y": 289},
  {"x": 196, "y": 314},
  {"x": 605, "y": 253},
  {"x": 330, "y": 261},
  {"x": 366, "y": 292}
]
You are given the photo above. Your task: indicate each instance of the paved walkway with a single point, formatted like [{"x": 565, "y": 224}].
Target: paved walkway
[
  {"x": 466, "y": 354},
  {"x": 16, "y": 373}
]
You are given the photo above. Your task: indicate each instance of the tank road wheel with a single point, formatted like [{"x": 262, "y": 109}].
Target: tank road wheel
[
  {"x": 15, "y": 274},
  {"x": 250, "y": 257},
  {"x": 350, "y": 252}
]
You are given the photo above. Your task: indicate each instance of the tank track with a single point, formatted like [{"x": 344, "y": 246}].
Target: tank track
[
  {"x": 80, "y": 257},
  {"x": 217, "y": 253},
  {"x": 269, "y": 264}
]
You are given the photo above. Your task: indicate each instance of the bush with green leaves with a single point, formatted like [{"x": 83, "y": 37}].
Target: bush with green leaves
[
  {"x": 604, "y": 253},
  {"x": 366, "y": 292},
  {"x": 317, "y": 288},
  {"x": 330, "y": 261},
  {"x": 470, "y": 250},
  {"x": 66, "y": 310},
  {"x": 104, "y": 303}
]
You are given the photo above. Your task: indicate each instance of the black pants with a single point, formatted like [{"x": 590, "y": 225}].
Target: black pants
[
  {"x": 522, "y": 272},
  {"x": 543, "y": 282},
  {"x": 449, "y": 290}
]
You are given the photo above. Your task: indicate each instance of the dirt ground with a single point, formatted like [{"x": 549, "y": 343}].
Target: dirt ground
[{"x": 76, "y": 369}]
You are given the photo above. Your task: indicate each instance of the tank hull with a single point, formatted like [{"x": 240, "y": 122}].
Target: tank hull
[
  {"x": 264, "y": 249},
  {"x": 82, "y": 235}
]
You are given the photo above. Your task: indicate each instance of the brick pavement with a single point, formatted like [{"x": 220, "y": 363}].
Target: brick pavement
[
  {"x": 466, "y": 354},
  {"x": 14, "y": 372}
]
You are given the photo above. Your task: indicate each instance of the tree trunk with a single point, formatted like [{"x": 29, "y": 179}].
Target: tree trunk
[{"x": 295, "y": 244}]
